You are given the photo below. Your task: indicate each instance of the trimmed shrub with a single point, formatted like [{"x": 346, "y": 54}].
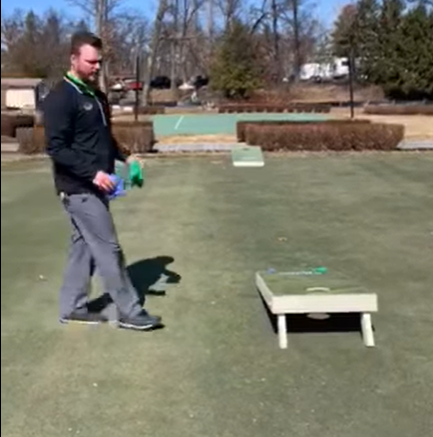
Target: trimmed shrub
[
  {"x": 11, "y": 122},
  {"x": 124, "y": 124},
  {"x": 399, "y": 109},
  {"x": 31, "y": 140},
  {"x": 326, "y": 136},
  {"x": 134, "y": 138},
  {"x": 264, "y": 107},
  {"x": 241, "y": 126},
  {"x": 8, "y": 127}
]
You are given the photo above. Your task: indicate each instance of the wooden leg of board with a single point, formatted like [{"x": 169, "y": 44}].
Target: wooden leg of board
[
  {"x": 367, "y": 330},
  {"x": 282, "y": 331}
]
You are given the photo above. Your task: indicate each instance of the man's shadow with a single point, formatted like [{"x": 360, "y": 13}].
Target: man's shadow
[
  {"x": 151, "y": 276},
  {"x": 148, "y": 276}
]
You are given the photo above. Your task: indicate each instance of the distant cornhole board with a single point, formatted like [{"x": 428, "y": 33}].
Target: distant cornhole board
[
  {"x": 288, "y": 293},
  {"x": 247, "y": 156}
]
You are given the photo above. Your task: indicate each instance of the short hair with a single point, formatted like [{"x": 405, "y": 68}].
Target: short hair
[{"x": 82, "y": 38}]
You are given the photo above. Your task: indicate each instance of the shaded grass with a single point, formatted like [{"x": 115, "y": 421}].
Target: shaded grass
[{"x": 216, "y": 369}]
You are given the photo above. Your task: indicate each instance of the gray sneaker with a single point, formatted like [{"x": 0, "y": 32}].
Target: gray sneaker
[
  {"x": 83, "y": 318},
  {"x": 141, "y": 322}
]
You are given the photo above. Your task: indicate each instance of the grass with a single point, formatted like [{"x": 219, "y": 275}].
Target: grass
[{"x": 216, "y": 370}]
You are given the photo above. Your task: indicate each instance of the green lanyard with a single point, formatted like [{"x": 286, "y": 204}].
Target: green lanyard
[
  {"x": 82, "y": 85},
  {"x": 86, "y": 89}
]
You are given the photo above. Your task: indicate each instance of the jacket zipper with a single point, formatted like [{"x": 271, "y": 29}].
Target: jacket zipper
[{"x": 104, "y": 119}]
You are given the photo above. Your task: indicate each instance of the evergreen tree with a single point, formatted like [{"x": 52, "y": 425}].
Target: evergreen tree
[
  {"x": 388, "y": 70},
  {"x": 416, "y": 48},
  {"x": 393, "y": 43},
  {"x": 236, "y": 69}
]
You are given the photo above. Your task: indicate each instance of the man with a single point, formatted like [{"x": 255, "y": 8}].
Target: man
[{"x": 83, "y": 152}]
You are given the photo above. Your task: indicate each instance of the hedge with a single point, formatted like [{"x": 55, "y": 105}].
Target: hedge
[
  {"x": 8, "y": 129},
  {"x": 326, "y": 136},
  {"x": 242, "y": 125},
  {"x": 274, "y": 108},
  {"x": 11, "y": 122},
  {"x": 131, "y": 137},
  {"x": 399, "y": 109},
  {"x": 31, "y": 140},
  {"x": 134, "y": 138}
]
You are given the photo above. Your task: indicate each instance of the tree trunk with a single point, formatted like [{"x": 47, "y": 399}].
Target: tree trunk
[
  {"x": 297, "y": 41},
  {"x": 101, "y": 29},
  {"x": 154, "y": 47},
  {"x": 276, "y": 40}
]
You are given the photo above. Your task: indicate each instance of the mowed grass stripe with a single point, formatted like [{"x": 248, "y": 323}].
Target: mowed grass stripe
[
  {"x": 321, "y": 211},
  {"x": 98, "y": 380},
  {"x": 216, "y": 369}
]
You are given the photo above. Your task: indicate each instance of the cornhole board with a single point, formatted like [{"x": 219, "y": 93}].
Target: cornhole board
[
  {"x": 286, "y": 294},
  {"x": 247, "y": 156}
]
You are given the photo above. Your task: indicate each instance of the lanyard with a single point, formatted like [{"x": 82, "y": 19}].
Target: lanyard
[{"x": 82, "y": 85}]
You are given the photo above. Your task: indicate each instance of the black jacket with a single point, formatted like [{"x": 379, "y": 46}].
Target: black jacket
[{"x": 78, "y": 134}]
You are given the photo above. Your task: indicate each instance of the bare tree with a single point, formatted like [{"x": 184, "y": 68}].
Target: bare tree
[
  {"x": 189, "y": 14},
  {"x": 163, "y": 7},
  {"x": 296, "y": 37},
  {"x": 130, "y": 36},
  {"x": 25, "y": 39},
  {"x": 210, "y": 20},
  {"x": 229, "y": 9},
  {"x": 300, "y": 29},
  {"x": 11, "y": 28}
]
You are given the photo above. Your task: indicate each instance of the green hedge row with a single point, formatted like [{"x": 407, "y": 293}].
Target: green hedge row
[
  {"x": 275, "y": 108},
  {"x": 241, "y": 126},
  {"x": 399, "y": 109},
  {"x": 11, "y": 122},
  {"x": 325, "y": 136},
  {"x": 132, "y": 137}
]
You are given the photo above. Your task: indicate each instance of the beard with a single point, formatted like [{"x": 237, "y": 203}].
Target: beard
[
  {"x": 92, "y": 79},
  {"x": 89, "y": 78}
]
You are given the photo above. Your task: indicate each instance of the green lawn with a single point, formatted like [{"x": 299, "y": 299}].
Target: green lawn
[{"x": 216, "y": 370}]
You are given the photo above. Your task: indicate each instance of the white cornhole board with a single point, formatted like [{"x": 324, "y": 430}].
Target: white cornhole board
[
  {"x": 247, "y": 156},
  {"x": 290, "y": 294}
]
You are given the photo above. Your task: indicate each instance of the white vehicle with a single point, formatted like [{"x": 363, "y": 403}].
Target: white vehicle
[
  {"x": 316, "y": 71},
  {"x": 341, "y": 68},
  {"x": 336, "y": 69}
]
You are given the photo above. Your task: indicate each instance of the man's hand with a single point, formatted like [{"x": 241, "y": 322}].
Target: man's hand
[
  {"x": 103, "y": 181},
  {"x": 135, "y": 158}
]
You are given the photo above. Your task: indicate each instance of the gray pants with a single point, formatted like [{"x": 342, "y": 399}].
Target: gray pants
[{"x": 94, "y": 244}]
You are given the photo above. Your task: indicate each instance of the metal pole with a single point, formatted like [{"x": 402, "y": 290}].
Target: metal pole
[
  {"x": 137, "y": 81},
  {"x": 351, "y": 78}
]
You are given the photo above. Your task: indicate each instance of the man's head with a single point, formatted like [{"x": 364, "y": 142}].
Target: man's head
[{"x": 86, "y": 56}]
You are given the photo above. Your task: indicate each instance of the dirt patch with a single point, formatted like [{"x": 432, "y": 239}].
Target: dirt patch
[
  {"x": 416, "y": 126},
  {"x": 188, "y": 139},
  {"x": 313, "y": 93},
  {"x": 129, "y": 116}
]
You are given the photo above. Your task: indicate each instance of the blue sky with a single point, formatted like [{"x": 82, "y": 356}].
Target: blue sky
[{"x": 327, "y": 10}]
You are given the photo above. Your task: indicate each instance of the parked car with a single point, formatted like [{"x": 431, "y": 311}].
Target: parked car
[{"x": 160, "y": 82}]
